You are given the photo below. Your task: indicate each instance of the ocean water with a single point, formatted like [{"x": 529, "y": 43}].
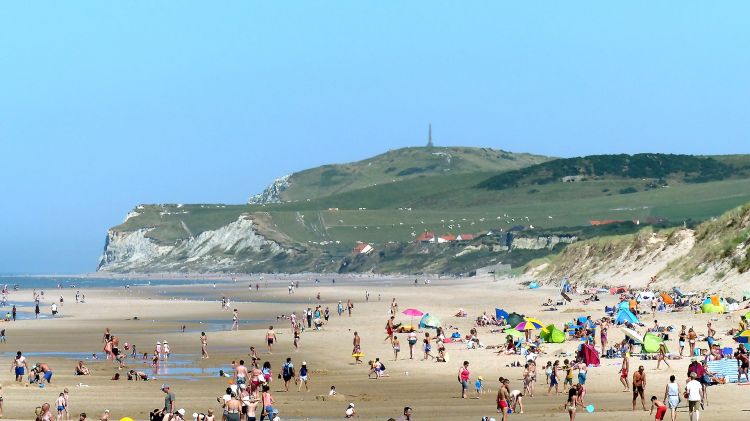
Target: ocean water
[{"x": 51, "y": 283}]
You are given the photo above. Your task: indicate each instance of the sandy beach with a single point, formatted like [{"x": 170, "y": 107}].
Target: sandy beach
[{"x": 430, "y": 388}]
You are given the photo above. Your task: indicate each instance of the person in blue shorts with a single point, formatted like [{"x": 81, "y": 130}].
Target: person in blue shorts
[{"x": 20, "y": 366}]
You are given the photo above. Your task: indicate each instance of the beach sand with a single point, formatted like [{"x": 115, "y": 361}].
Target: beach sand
[{"x": 430, "y": 388}]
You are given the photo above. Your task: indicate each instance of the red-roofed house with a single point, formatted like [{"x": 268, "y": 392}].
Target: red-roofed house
[
  {"x": 447, "y": 238},
  {"x": 465, "y": 237},
  {"x": 425, "y": 237},
  {"x": 363, "y": 248}
]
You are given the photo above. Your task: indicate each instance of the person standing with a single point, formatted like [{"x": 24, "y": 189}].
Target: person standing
[
  {"x": 357, "y": 350},
  {"x": 287, "y": 373},
  {"x": 463, "y": 378},
  {"x": 672, "y": 396},
  {"x": 639, "y": 385},
  {"x": 303, "y": 377},
  {"x": 694, "y": 394},
  {"x": 235, "y": 320},
  {"x": 60, "y": 404},
  {"x": 13, "y": 312},
  {"x": 36, "y": 310},
  {"x": 204, "y": 345},
  {"x": 169, "y": 399},
  {"x": 624, "y": 372},
  {"x": 681, "y": 339},
  {"x": 270, "y": 338},
  {"x": 411, "y": 338},
  {"x": 19, "y": 366}
]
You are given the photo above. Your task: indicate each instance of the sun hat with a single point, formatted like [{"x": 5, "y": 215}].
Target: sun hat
[
  {"x": 351, "y": 405},
  {"x": 304, "y": 362},
  {"x": 181, "y": 411},
  {"x": 164, "y": 386}
]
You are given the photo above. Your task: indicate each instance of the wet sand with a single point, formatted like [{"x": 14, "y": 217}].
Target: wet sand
[{"x": 430, "y": 388}]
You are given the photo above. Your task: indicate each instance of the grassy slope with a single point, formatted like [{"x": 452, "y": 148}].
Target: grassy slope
[
  {"x": 724, "y": 239},
  {"x": 401, "y": 164},
  {"x": 447, "y": 205}
]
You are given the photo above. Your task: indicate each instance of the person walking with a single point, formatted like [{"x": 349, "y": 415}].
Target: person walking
[
  {"x": 672, "y": 396},
  {"x": 694, "y": 395},
  {"x": 639, "y": 385},
  {"x": 463, "y": 378}
]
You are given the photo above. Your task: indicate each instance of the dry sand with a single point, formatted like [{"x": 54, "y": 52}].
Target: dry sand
[{"x": 430, "y": 388}]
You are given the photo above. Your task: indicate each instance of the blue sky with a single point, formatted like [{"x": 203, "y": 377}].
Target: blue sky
[{"x": 105, "y": 105}]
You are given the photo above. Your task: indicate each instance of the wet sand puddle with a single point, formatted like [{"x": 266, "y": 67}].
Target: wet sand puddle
[{"x": 179, "y": 366}]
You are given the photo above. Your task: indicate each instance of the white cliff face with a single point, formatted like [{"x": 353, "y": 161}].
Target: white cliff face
[
  {"x": 130, "y": 249},
  {"x": 221, "y": 249},
  {"x": 272, "y": 193}
]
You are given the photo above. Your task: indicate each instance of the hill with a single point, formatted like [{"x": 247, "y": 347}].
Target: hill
[
  {"x": 714, "y": 255},
  {"x": 661, "y": 168},
  {"x": 320, "y": 233},
  {"x": 392, "y": 166}
]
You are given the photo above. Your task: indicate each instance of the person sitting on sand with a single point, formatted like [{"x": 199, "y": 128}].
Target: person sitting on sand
[{"x": 82, "y": 370}]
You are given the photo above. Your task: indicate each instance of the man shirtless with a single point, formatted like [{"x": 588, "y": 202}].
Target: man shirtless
[
  {"x": 232, "y": 409},
  {"x": 639, "y": 384},
  {"x": 240, "y": 373},
  {"x": 357, "y": 348},
  {"x": 503, "y": 396},
  {"x": 19, "y": 366}
]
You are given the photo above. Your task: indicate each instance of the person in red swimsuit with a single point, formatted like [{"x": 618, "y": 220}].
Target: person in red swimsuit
[{"x": 661, "y": 409}]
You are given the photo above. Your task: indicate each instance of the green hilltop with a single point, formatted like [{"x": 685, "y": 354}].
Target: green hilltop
[{"x": 391, "y": 199}]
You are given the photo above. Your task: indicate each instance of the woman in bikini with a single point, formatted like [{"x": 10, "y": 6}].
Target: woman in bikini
[{"x": 570, "y": 404}]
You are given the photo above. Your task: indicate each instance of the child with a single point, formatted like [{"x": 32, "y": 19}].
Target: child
[
  {"x": 548, "y": 371},
  {"x": 396, "y": 347},
  {"x": 553, "y": 378},
  {"x": 333, "y": 391},
  {"x": 303, "y": 377},
  {"x": 1, "y": 400},
  {"x": 661, "y": 409},
  {"x": 568, "y": 383},
  {"x": 478, "y": 386}
]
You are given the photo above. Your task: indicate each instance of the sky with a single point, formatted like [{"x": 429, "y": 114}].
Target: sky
[{"x": 106, "y": 105}]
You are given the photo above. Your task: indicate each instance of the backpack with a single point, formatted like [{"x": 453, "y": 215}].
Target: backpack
[{"x": 287, "y": 370}]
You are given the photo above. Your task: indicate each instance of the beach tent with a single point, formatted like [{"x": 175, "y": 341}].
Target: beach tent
[
  {"x": 553, "y": 335},
  {"x": 626, "y": 316},
  {"x": 680, "y": 293},
  {"x": 645, "y": 296},
  {"x": 668, "y": 300},
  {"x": 533, "y": 285},
  {"x": 651, "y": 343},
  {"x": 713, "y": 304},
  {"x": 429, "y": 321},
  {"x": 632, "y": 335},
  {"x": 624, "y": 305},
  {"x": 514, "y": 318},
  {"x": 587, "y": 353},
  {"x": 618, "y": 290},
  {"x": 501, "y": 313}
]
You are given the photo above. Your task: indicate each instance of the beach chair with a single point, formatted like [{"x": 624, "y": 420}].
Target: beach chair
[{"x": 727, "y": 352}]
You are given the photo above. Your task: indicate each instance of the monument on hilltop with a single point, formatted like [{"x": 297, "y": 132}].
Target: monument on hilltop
[{"x": 429, "y": 137}]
